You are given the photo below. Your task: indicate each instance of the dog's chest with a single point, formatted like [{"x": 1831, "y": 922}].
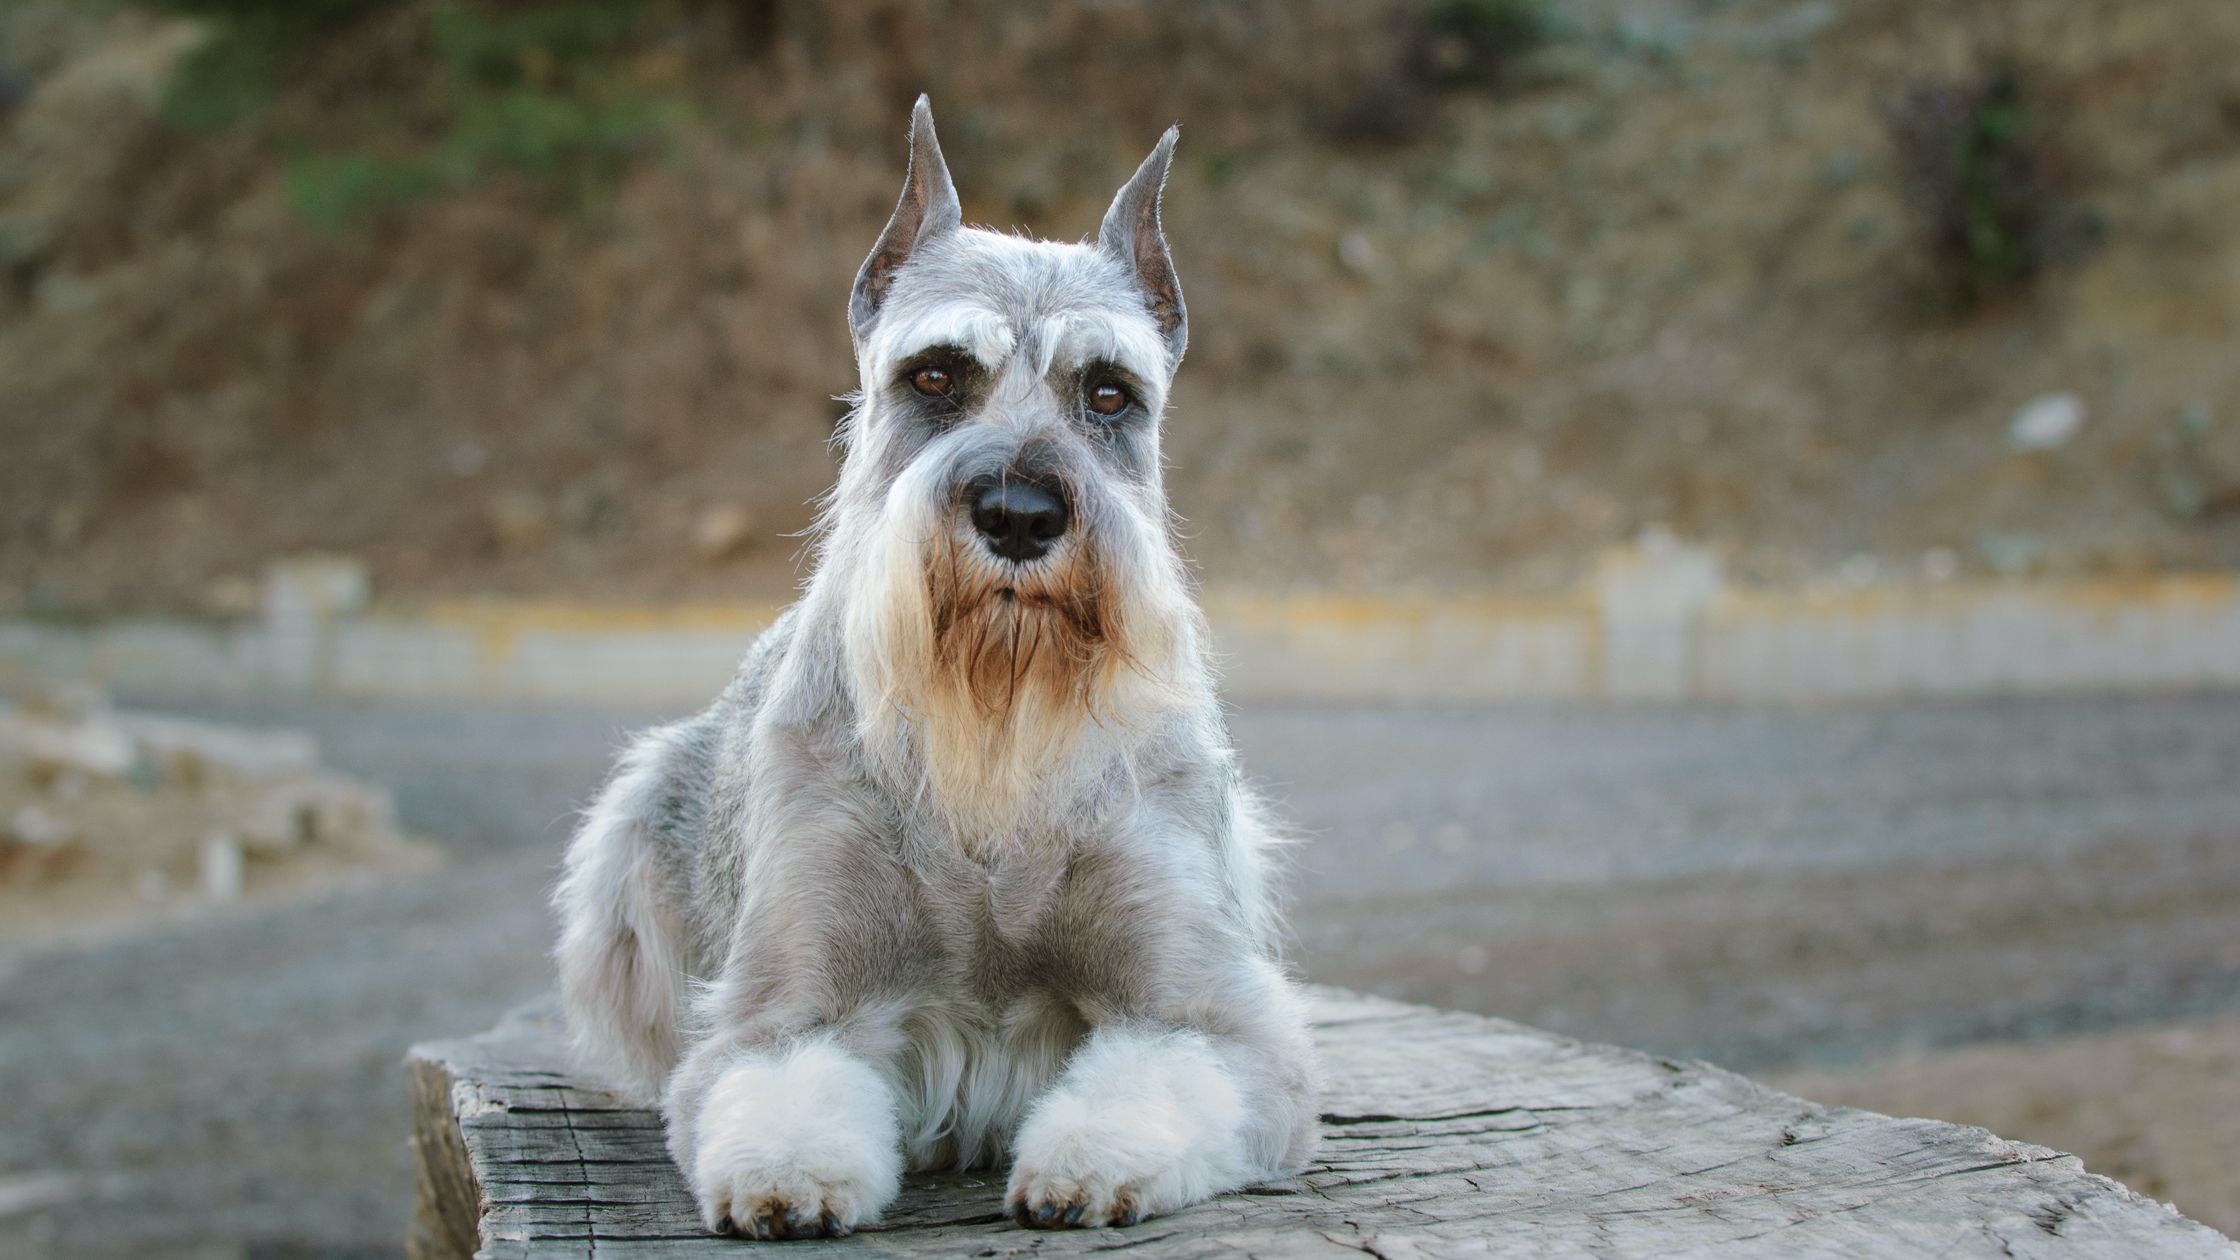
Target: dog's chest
[{"x": 1028, "y": 928}]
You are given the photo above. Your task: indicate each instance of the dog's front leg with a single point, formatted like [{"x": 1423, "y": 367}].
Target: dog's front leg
[
  {"x": 794, "y": 1138},
  {"x": 1145, "y": 1120}
]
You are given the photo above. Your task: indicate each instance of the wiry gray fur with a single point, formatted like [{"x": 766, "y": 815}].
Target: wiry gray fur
[{"x": 960, "y": 865}]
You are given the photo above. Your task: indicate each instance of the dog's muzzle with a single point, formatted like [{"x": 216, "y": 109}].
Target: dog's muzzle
[{"x": 1019, "y": 520}]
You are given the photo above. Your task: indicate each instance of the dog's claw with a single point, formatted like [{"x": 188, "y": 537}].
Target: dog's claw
[
  {"x": 1128, "y": 1217},
  {"x": 1045, "y": 1214},
  {"x": 1073, "y": 1214},
  {"x": 834, "y": 1227}
]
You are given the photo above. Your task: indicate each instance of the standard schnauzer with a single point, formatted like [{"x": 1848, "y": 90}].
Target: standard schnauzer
[{"x": 960, "y": 865}]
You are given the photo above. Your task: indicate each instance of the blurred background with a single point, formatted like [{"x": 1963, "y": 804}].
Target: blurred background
[{"x": 1722, "y": 516}]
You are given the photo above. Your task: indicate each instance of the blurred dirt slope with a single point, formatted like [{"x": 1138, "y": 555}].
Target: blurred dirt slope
[{"x": 1444, "y": 335}]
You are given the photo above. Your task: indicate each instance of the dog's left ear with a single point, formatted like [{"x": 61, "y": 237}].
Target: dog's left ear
[
  {"x": 928, "y": 209},
  {"x": 1131, "y": 236}
]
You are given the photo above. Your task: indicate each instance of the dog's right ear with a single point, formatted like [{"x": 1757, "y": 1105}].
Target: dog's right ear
[{"x": 928, "y": 209}]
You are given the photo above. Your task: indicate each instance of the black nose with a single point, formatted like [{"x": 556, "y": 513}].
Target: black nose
[{"x": 1018, "y": 518}]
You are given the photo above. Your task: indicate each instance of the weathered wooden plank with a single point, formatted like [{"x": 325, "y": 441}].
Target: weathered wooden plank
[{"x": 1447, "y": 1135}]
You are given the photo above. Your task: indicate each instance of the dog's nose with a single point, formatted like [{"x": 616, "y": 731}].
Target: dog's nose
[{"x": 1019, "y": 518}]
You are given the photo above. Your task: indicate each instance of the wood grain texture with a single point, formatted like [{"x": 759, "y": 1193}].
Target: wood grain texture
[{"x": 1446, "y": 1134}]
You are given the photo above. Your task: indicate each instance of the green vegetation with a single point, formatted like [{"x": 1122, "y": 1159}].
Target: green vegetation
[
  {"x": 542, "y": 90},
  {"x": 242, "y": 65},
  {"x": 336, "y": 192},
  {"x": 1478, "y": 42}
]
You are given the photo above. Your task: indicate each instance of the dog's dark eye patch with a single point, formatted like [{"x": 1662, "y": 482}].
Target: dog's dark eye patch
[
  {"x": 1110, "y": 396},
  {"x": 939, "y": 381}
]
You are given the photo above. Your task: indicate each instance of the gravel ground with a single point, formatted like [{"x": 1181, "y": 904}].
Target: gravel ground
[{"x": 1806, "y": 890}]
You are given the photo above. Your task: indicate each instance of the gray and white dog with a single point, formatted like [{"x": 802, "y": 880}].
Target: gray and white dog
[{"x": 960, "y": 865}]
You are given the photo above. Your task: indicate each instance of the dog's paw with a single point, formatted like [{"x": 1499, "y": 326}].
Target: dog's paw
[
  {"x": 788, "y": 1202},
  {"x": 1081, "y": 1164},
  {"x": 1070, "y": 1199},
  {"x": 1142, "y": 1125},
  {"x": 800, "y": 1147}
]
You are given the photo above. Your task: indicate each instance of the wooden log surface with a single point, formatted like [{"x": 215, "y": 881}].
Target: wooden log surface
[{"x": 1446, "y": 1134}]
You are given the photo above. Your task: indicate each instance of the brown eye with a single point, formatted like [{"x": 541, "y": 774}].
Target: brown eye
[
  {"x": 933, "y": 382},
  {"x": 1108, "y": 399}
]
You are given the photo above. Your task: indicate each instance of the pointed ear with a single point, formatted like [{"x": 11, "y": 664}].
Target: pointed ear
[
  {"x": 1131, "y": 236},
  {"x": 928, "y": 210}
]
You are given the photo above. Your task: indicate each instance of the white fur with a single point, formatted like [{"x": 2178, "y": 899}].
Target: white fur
[
  {"x": 808, "y": 1131},
  {"x": 1142, "y": 1123},
  {"x": 1132, "y": 343},
  {"x": 619, "y": 972},
  {"x": 971, "y": 1077},
  {"x": 984, "y": 334}
]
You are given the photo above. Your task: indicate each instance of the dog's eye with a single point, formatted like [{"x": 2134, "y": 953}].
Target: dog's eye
[
  {"x": 933, "y": 382},
  {"x": 1108, "y": 399}
]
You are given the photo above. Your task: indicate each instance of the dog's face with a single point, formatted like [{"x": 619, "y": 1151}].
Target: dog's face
[{"x": 1000, "y": 505}]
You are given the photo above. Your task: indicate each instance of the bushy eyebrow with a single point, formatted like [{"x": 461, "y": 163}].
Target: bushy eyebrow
[
  {"x": 1077, "y": 341},
  {"x": 985, "y": 335},
  {"x": 938, "y": 354}
]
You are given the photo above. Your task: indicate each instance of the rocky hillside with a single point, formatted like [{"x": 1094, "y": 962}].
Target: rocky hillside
[{"x": 503, "y": 297}]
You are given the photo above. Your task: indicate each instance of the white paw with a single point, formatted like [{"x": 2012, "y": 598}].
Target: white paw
[
  {"x": 1057, "y": 1193},
  {"x": 802, "y": 1146},
  {"x": 812, "y": 1197},
  {"x": 1140, "y": 1127}
]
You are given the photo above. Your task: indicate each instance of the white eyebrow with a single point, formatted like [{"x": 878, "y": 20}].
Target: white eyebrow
[
  {"x": 1133, "y": 344},
  {"x": 984, "y": 334}
]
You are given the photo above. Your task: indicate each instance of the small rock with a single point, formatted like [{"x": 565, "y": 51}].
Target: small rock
[
  {"x": 223, "y": 867},
  {"x": 36, "y": 828},
  {"x": 2046, "y": 423},
  {"x": 722, "y": 531},
  {"x": 2009, "y": 555},
  {"x": 56, "y": 751},
  {"x": 1471, "y": 959},
  {"x": 279, "y": 824},
  {"x": 1358, "y": 254},
  {"x": 1940, "y": 564},
  {"x": 518, "y": 521}
]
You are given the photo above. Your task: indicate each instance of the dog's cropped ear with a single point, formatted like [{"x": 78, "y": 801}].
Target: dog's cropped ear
[
  {"x": 1131, "y": 235},
  {"x": 928, "y": 210}
]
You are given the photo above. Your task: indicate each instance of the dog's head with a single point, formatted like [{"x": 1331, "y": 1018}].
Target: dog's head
[{"x": 999, "y": 520}]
